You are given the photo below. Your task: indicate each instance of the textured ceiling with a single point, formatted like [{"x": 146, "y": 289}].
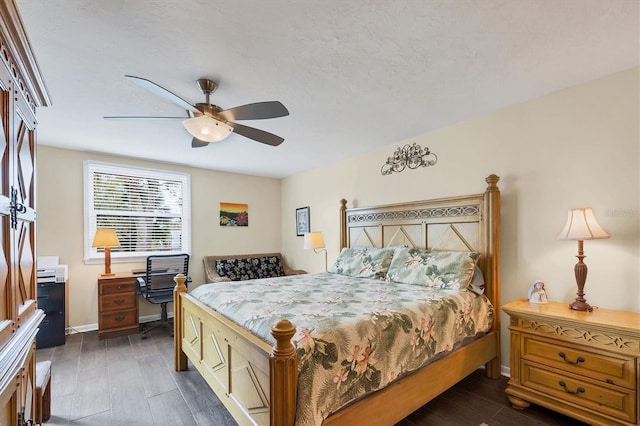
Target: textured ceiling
[{"x": 355, "y": 75}]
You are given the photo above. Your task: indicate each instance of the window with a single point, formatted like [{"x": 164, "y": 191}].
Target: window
[{"x": 149, "y": 209}]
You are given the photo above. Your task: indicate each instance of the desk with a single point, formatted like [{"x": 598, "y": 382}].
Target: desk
[{"x": 117, "y": 305}]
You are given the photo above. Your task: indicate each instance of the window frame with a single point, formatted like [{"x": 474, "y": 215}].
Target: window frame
[{"x": 91, "y": 254}]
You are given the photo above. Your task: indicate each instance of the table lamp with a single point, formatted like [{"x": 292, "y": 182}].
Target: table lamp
[
  {"x": 107, "y": 238},
  {"x": 314, "y": 240},
  {"x": 581, "y": 225}
]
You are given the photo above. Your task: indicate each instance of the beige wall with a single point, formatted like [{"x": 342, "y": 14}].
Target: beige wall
[
  {"x": 575, "y": 148},
  {"x": 60, "y": 222}
]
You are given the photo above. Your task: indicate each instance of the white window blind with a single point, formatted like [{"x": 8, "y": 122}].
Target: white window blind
[{"x": 148, "y": 208}]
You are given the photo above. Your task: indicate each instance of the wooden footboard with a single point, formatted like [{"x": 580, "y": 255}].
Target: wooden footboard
[
  {"x": 257, "y": 383},
  {"x": 234, "y": 363}
]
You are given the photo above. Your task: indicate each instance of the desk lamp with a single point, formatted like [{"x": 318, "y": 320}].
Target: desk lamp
[
  {"x": 314, "y": 240},
  {"x": 107, "y": 238},
  {"x": 581, "y": 225}
]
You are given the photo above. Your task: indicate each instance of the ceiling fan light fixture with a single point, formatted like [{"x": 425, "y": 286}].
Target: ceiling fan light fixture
[{"x": 207, "y": 129}]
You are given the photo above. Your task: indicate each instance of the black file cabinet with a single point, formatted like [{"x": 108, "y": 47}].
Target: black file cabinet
[{"x": 51, "y": 299}]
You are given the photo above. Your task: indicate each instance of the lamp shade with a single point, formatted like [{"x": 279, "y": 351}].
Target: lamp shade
[
  {"x": 207, "y": 129},
  {"x": 313, "y": 240},
  {"x": 582, "y": 225},
  {"x": 105, "y": 237}
]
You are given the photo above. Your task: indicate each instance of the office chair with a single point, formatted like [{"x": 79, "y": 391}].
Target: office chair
[{"x": 157, "y": 285}]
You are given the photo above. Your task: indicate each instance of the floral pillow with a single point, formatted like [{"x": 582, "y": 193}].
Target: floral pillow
[
  {"x": 434, "y": 269},
  {"x": 249, "y": 268},
  {"x": 363, "y": 262},
  {"x": 235, "y": 269}
]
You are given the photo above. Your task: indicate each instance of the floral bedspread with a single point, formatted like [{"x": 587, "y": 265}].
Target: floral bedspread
[{"x": 354, "y": 335}]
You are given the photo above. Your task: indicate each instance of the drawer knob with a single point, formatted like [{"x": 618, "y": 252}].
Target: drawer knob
[
  {"x": 568, "y": 361},
  {"x": 567, "y": 390},
  {"x": 119, "y": 318},
  {"x": 118, "y": 301}
]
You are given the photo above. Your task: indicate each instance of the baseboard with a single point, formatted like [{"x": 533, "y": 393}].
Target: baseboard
[
  {"x": 82, "y": 328},
  {"x": 93, "y": 327},
  {"x": 505, "y": 371}
]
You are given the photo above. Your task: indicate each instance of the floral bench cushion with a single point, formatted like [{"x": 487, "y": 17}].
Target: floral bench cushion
[{"x": 249, "y": 268}]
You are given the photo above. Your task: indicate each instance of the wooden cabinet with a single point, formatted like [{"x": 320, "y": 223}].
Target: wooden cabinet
[
  {"x": 21, "y": 92},
  {"x": 583, "y": 364},
  {"x": 117, "y": 306}
]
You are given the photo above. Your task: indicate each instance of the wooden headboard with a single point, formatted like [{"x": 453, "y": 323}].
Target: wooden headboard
[{"x": 460, "y": 223}]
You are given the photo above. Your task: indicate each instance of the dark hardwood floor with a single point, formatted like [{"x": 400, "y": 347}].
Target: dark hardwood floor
[{"x": 129, "y": 381}]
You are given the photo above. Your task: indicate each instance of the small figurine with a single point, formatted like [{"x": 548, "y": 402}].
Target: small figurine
[{"x": 537, "y": 293}]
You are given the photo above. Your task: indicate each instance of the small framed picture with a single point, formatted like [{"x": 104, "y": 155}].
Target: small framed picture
[
  {"x": 303, "y": 225},
  {"x": 537, "y": 293}
]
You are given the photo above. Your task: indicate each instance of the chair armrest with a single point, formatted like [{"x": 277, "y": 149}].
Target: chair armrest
[
  {"x": 289, "y": 271},
  {"x": 140, "y": 284},
  {"x": 294, "y": 271},
  {"x": 221, "y": 280},
  {"x": 186, "y": 283}
]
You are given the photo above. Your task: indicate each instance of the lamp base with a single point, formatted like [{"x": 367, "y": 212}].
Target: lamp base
[
  {"x": 325, "y": 256},
  {"x": 580, "y": 305},
  {"x": 580, "y": 270},
  {"x": 105, "y": 274}
]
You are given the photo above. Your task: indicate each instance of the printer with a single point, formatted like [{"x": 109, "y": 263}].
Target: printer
[{"x": 49, "y": 271}]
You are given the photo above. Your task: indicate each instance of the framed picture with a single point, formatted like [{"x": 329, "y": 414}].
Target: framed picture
[
  {"x": 537, "y": 293},
  {"x": 234, "y": 214},
  {"x": 303, "y": 225}
]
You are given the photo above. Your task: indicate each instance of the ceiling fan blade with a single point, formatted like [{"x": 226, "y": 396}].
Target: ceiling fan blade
[
  {"x": 162, "y": 92},
  {"x": 256, "y": 134},
  {"x": 256, "y": 111},
  {"x": 197, "y": 143},
  {"x": 140, "y": 117}
]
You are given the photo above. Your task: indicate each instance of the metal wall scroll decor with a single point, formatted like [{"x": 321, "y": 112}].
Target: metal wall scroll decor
[{"x": 411, "y": 156}]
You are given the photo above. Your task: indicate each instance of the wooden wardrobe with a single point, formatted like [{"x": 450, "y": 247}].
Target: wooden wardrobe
[{"x": 21, "y": 92}]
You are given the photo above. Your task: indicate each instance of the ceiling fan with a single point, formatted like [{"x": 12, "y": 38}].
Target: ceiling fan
[{"x": 210, "y": 123}]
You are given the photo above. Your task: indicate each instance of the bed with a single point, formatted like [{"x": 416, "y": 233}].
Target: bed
[{"x": 257, "y": 381}]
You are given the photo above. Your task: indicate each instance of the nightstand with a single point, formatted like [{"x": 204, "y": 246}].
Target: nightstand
[
  {"x": 117, "y": 305},
  {"x": 582, "y": 364}
]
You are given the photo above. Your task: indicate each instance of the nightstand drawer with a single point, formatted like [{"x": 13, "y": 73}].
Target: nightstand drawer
[
  {"x": 119, "y": 319},
  {"x": 115, "y": 287},
  {"x": 584, "y": 393},
  {"x": 606, "y": 367},
  {"x": 115, "y": 302}
]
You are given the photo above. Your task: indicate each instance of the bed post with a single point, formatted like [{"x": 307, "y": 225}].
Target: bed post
[
  {"x": 180, "y": 359},
  {"x": 492, "y": 218},
  {"x": 343, "y": 224},
  {"x": 283, "y": 369}
]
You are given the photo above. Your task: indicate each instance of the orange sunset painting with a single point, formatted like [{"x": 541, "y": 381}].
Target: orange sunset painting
[{"x": 234, "y": 214}]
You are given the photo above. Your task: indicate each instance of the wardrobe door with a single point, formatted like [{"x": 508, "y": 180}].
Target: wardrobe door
[
  {"x": 23, "y": 193},
  {"x": 13, "y": 399},
  {"x": 7, "y": 306}
]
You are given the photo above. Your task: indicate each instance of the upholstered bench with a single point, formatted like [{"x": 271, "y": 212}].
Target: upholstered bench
[
  {"x": 246, "y": 267},
  {"x": 43, "y": 392}
]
